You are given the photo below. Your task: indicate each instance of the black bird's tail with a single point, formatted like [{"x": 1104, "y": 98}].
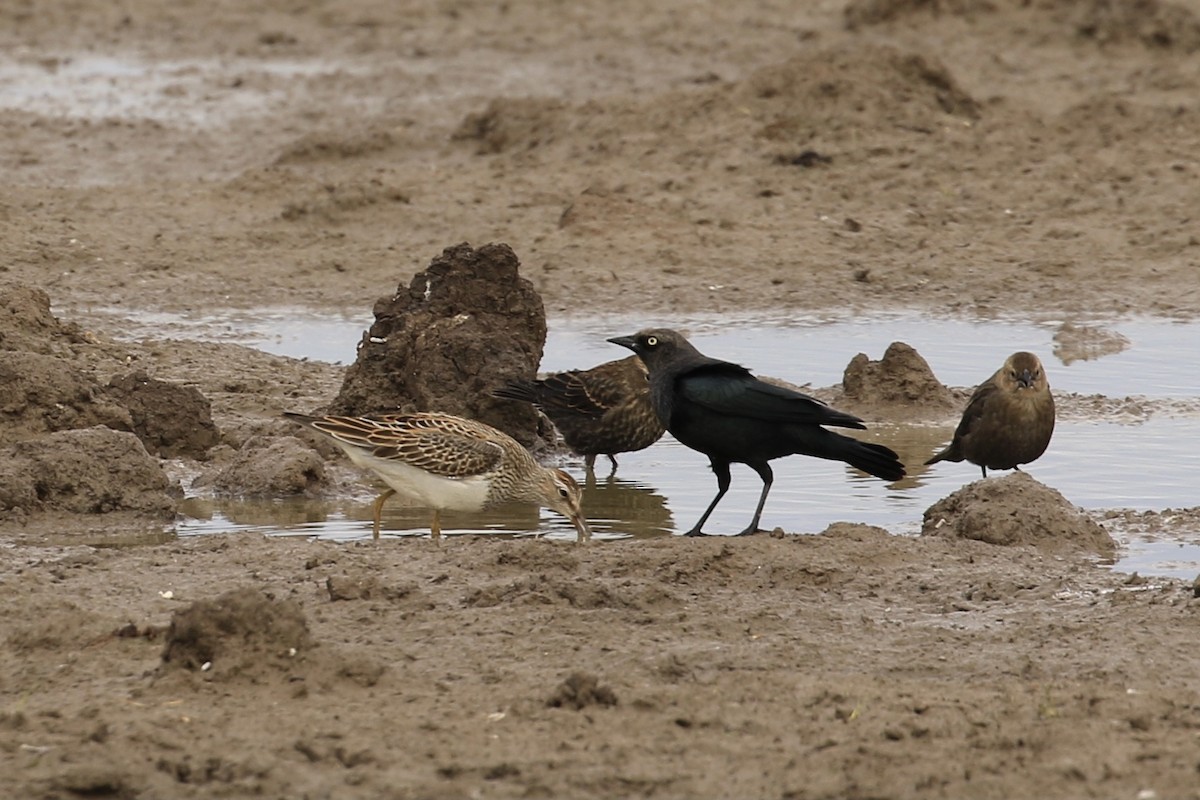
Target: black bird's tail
[{"x": 874, "y": 459}]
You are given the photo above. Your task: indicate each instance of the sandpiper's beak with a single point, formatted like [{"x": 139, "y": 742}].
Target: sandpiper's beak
[
  {"x": 625, "y": 341},
  {"x": 581, "y": 527}
]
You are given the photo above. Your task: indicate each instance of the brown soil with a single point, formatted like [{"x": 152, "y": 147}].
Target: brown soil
[{"x": 989, "y": 159}]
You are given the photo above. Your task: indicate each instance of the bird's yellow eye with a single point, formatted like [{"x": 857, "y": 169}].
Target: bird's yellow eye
[{"x": 651, "y": 341}]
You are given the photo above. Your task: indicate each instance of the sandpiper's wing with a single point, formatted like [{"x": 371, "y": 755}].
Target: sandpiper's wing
[{"x": 440, "y": 444}]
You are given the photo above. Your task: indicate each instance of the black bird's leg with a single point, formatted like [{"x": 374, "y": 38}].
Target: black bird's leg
[
  {"x": 768, "y": 477},
  {"x": 613, "y": 459},
  {"x": 984, "y": 471},
  {"x": 721, "y": 470},
  {"x": 589, "y": 464}
]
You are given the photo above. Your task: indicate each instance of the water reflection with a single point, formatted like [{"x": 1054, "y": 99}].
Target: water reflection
[{"x": 626, "y": 507}]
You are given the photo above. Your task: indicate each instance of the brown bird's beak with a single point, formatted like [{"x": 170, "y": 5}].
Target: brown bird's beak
[{"x": 625, "y": 341}]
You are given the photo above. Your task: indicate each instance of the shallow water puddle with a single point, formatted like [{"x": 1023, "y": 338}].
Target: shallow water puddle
[{"x": 1134, "y": 462}]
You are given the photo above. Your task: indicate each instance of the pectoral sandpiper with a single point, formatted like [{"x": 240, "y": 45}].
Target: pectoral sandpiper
[
  {"x": 449, "y": 463},
  {"x": 604, "y": 410}
]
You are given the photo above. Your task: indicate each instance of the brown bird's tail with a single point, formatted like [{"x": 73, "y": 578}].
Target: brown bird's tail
[
  {"x": 517, "y": 390},
  {"x": 949, "y": 454}
]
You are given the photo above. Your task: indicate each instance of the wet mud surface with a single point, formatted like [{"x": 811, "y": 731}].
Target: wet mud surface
[{"x": 985, "y": 160}]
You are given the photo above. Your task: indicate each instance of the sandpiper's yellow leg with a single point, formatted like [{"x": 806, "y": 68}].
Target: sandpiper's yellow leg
[
  {"x": 435, "y": 528},
  {"x": 378, "y": 508}
]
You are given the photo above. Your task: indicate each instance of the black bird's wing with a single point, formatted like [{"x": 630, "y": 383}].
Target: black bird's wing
[{"x": 730, "y": 390}]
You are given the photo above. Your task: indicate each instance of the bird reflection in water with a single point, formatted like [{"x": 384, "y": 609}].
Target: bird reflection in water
[{"x": 621, "y": 506}]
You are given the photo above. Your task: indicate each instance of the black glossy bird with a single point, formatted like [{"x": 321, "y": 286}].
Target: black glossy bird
[
  {"x": 604, "y": 410},
  {"x": 723, "y": 411},
  {"x": 1009, "y": 419}
]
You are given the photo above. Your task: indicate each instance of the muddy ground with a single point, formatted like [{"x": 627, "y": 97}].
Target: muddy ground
[{"x": 983, "y": 159}]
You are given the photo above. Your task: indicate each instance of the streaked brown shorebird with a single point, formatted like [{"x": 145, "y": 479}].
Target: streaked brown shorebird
[
  {"x": 604, "y": 410},
  {"x": 449, "y": 463},
  {"x": 1008, "y": 420}
]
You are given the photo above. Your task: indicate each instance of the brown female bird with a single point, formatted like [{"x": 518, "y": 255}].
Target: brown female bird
[
  {"x": 604, "y": 410},
  {"x": 1008, "y": 420}
]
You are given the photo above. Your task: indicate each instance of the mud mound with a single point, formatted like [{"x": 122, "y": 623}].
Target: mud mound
[
  {"x": 861, "y": 13},
  {"x": 861, "y": 86},
  {"x": 41, "y": 393},
  {"x": 26, "y": 322},
  {"x": 514, "y": 124},
  {"x": 268, "y": 466},
  {"x": 1016, "y": 510},
  {"x": 900, "y": 381},
  {"x": 852, "y": 87},
  {"x": 92, "y": 471},
  {"x": 170, "y": 419},
  {"x": 1150, "y": 23},
  {"x": 240, "y": 633},
  {"x": 464, "y": 325},
  {"x": 46, "y": 385}
]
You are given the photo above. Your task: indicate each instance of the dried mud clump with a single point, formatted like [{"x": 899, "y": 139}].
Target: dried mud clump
[
  {"x": 92, "y": 471},
  {"x": 1016, "y": 510},
  {"x": 463, "y": 326},
  {"x": 902, "y": 378},
  {"x": 268, "y": 467},
  {"x": 242, "y": 632},
  {"x": 580, "y": 690},
  {"x": 172, "y": 420}
]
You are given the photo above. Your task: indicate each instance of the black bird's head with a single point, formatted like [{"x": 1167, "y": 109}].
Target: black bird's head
[{"x": 657, "y": 346}]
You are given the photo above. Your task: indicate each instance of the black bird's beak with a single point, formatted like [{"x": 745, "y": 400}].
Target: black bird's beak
[
  {"x": 1025, "y": 378},
  {"x": 625, "y": 341}
]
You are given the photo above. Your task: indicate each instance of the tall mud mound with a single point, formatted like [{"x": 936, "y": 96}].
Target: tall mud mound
[
  {"x": 1016, "y": 510},
  {"x": 463, "y": 326},
  {"x": 901, "y": 383}
]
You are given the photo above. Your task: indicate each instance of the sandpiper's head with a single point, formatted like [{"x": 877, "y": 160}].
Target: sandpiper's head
[
  {"x": 560, "y": 492},
  {"x": 656, "y": 345},
  {"x": 1023, "y": 370}
]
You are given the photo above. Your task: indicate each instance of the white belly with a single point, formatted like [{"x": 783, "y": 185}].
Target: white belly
[{"x": 451, "y": 494}]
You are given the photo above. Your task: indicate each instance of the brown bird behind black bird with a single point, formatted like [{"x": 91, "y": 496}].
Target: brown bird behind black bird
[
  {"x": 1008, "y": 420},
  {"x": 604, "y": 410}
]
